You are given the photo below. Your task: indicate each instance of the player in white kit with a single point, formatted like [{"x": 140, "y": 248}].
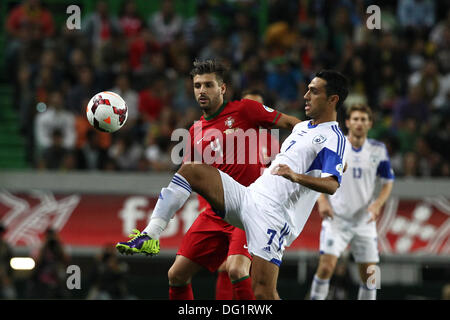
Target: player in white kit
[
  {"x": 274, "y": 209},
  {"x": 349, "y": 216}
]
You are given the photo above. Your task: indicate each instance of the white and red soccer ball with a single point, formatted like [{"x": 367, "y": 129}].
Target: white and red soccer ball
[{"x": 107, "y": 111}]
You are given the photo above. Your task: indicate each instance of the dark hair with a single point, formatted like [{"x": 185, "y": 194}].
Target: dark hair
[
  {"x": 210, "y": 66},
  {"x": 255, "y": 92},
  {"x": 337, "y": 84},
  {"x": 359, "y": 107}
]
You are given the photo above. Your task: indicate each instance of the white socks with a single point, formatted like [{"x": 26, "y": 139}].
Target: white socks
[
  {"x": 171, "y": 199},
  {"x": 365, "y": 293},
  {"x": 319, "y": 288}
]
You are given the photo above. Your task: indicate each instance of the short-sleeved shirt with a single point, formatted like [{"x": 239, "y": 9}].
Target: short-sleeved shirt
[
  {"x": 230, "y": 141},
  {"x": 366, "y": 166},
  {"x": 315, "y": 150}
]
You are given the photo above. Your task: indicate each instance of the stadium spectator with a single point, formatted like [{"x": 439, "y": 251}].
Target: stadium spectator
[
  {"x": 129, "y": 20},
  {"x": 124, "y": 89},
  {"x": 200, "y": 29},
  {"x": 428, "y": 78},
  {"x": 100, "y": 25},
  {"x": 440, "y": 39},
  {"x": 217, "y": 48},
  {"x": 252, "y": 75},
  {"x": 28, "y": 26},
  {"x": 141, "y": 48},
  {"x": 126, "y": 153},
  {"x": 48, "y": 278},
  {"x": 182, "y": 99},
  {"x": 166, "y": 23},
  {"x": 84, "y": 89},
  {"x": 76, "y": 60},
  {"x": 410, "y": 165},
  {"x": 416, "y": 13},
  {"x": 55, "y": 117},
  {"x": 412, "y": 106},
  {"x": 109, "y": 277},
  {"x": 56, "y": 156},
  {"x": 407, "y": 134},
  {"x": 24, "y": 102},
  {"x": 285, "y": 80},
  {"x": 91, "y": 156},
  {"x": 157, "y": 154},
  {"x": 441, "y": 102},
  {"x": 153, "y": 99},
  {"x": 30, "y": 19}
]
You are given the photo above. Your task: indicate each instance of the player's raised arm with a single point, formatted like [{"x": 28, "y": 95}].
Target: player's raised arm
[
  {"x": 327, "y": 185},
  {"x": 267, "y": 117},
  {"x": 287, "y": 122}
]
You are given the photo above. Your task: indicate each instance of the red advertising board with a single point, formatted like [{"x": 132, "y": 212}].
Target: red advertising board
[{"x": 89, "y": 220}]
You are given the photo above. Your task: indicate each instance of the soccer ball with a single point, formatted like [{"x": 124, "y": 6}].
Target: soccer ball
[{"x": 107, "y": 111}]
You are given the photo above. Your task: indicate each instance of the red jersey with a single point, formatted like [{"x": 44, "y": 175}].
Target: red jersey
[{"x": 230, "y": 141}]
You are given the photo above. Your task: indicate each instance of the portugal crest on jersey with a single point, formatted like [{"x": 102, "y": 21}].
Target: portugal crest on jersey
[{"x": 229, "y": 122}]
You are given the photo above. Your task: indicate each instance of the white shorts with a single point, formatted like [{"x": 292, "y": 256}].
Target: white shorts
[
  {"x": 337, "y": 234},
  {"x": 265, "y": 229}
]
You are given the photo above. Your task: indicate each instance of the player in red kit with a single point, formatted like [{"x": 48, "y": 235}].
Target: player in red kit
[
  {"x": 237, "y": 263},
  {"x": 226, "y": 137}
]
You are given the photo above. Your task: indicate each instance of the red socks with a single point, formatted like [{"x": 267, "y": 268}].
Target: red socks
[
  {"x": 242, "y": 289},
  {"x": 181, "y": 293},
  {"x": 224, "y": 289}
]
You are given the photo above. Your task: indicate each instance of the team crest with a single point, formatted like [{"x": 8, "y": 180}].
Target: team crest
[
  {"x": 374, "y": 159},
  {"x": 229, "y": 122},
  {"x": 319, "y": 139}
]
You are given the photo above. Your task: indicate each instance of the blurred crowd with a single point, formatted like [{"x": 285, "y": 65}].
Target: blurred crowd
[{"x": 401, "y": 70}]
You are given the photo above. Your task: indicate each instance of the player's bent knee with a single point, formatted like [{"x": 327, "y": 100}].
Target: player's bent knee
[
  {"x": 325, "y": 270},
  {"x": 236, "y": 273},
  {"x": 177, "y": 278}
]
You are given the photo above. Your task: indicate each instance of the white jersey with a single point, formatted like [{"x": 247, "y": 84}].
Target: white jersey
[
  {"x": 365, "y": 165},
  {"x": 313, "y": 150}
]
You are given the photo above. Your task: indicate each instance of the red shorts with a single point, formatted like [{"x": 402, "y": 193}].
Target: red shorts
[{"x": 209, "y": 241}]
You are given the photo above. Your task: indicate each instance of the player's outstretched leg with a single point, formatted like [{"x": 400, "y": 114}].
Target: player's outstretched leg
[
  {"x": 201, "y": 178},
  {"x": 139, "y": 243},
  {"x": 206, "y": 181}
]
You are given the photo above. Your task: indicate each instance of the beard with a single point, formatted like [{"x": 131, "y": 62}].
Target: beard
[{"x": 209, "y": 104}]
